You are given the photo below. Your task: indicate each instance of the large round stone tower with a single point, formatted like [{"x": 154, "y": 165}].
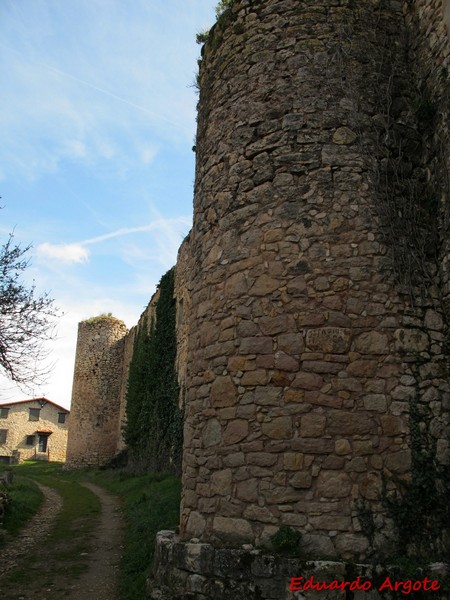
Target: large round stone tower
[
  {"x": 93, "y": 429},
  {"x": 299, "y": 365}
]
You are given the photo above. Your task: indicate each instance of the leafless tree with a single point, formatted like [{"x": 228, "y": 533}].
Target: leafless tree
[{"x": 26, "y": 320}]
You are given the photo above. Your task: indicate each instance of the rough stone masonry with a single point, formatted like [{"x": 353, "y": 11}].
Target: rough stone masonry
[
  {"x": 313, "y": 291},
  {"x": 304, "y": 352}
]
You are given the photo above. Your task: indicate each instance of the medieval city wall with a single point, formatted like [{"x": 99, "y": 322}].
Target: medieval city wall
[
  {"x": 313, "y": 290},
  {"x": 182, "y": 294},
  {"x": 93, "y": 429},
  {"x": 304, "y": 349},
  {"x": 146, "y": 317}
]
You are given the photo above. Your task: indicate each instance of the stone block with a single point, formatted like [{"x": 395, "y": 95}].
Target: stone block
[
  {"x": 370, "y": 487},
  {"x": 284, "y": 362},
  {"x": 264, "y": 565},
  {"x": 433, "y": 320},
  {"x": 331, "y": 522},
  {"x": 261, "y": 459},
  {"x": 198, "y": 557},
  {"x": 241, "y": 363},
  {"x": 195, "y": 525},
  {"x": 235, "y": 431},
  {"x": 247, "y": 328},
  {"x": 344, "y": 136},
  {"x": 411, "y": 340},
  {"x": 279, "y": 428},
  {"x": 363, "y": 368},
  {"x": 276, "y": 325},
  {"x": 332, "y": 484},
  {"x": 313, "y": 446},
  {"x": 293, "y": 461},
  {"x": 399, "y": 462},
  {"x": 301, "y": 480},
  {"x": 308, "y": 381},
  {"x": 342, "y": 447},
  {"x": 267, "y": 396},
  {"x": 247, "y": 490},
  {"x": 256, "y": 345},
  {"x": 235, "y": 285},
  {"x": 257, "y": 377},
  {"x": 281, "y": 495},
  {"x": 223, "y": 392},
  {"x": 259, "y": 513},
  {"x": 340, "y": 422},
  {"x": 235, "y": 459},
  {"x": 321, "y": 366},
  {"x": 291, "y": 343},
  {"x": 221, "y": 482},
  {"x": 333, "y": 462},
  {"x": 372, "y": 342},
  {"x": 312, "y": 425},
  {"x": 264, "y": 285},
  {"x": 349, "y": 544},
  {"x": 375, "y": 402},
  {"x": 393, "y": 425},
  {"x": 317, "y": 545},
  {"x": 212, "y": 433}
]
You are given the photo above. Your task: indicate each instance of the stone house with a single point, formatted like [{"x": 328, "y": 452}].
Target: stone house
[{"x": 33, "y": 429}]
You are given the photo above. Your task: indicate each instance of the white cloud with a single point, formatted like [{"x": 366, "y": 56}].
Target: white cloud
[{"x": 68, "y": 253}]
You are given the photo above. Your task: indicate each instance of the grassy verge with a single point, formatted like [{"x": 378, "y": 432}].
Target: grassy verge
[{"x": 25, "y": 500}]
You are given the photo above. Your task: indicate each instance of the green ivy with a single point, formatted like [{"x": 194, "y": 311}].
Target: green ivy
[
  {"x": 154, "y": 426},
  {"x": 287, "y": 541},
  {"x": 420, "y": 509}
]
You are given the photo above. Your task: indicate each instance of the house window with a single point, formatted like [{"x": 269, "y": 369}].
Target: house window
[
  {"x": 3, "y": 436},
  {"x": 42, "y": 442},
  {"x": 34, "y": 414},
  {"x": 4, "y": 412},
  {"x": 30, "y": 440},
  {"x": 62, "y": 417}
]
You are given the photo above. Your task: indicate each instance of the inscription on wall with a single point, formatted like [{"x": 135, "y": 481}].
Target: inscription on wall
[{"x": 335, "y": 340}]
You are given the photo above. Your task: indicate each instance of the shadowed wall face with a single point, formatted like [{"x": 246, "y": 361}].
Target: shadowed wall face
[{"x": 298, "y": 376}]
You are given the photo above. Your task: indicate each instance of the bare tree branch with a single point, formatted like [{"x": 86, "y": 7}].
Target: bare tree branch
[{"x": 26, "y": 320}]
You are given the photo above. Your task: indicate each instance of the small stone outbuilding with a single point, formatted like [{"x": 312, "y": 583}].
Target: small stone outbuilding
[{"x": 33, "y": 429}]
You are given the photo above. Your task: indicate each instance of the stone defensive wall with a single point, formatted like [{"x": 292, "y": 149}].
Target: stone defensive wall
[
  {"x": 318, "y": 289},
  {"x": 313, "y": 294},
  {"x": 92, "y": 437}
]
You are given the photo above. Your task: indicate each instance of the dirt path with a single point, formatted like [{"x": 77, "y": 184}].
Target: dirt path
[
  {"x": 37, "y": 528},
  {"x": 101, "y": 581},
  {"x": 31, "y": 568}
]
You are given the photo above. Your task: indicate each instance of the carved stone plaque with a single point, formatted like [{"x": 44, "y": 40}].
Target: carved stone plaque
[{"x": 329, "y": 339}]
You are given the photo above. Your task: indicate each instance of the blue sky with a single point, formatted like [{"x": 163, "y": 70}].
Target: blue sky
[{"x": 97, "y": 122}]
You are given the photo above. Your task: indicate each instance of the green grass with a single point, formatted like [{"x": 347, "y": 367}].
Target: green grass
[
  {"x": 151, "y": 503},
  {"x": 25, "y": 500}
]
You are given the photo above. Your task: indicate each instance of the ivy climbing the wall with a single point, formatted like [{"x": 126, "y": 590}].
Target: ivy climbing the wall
[{"x": 154, "y": 426}]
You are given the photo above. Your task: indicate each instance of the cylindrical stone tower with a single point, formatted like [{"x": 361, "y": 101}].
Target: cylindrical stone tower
[
  {"x": 93, "y": 428},
  {"x": 298, "y": 377}
]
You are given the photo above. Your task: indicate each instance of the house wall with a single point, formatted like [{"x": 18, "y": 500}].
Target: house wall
[{"x": 19, "y": 427}]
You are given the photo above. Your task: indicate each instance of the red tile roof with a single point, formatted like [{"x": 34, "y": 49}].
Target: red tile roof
[{"x": 35, "y": 400}]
